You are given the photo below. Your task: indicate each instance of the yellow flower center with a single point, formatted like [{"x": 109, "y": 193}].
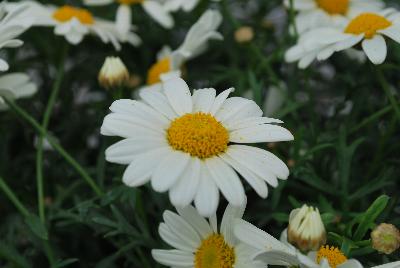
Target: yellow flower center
[
  {"x": 214, "y": 253},
  {"x": 130, "y": 2},
  {"x": 334, "y": 7},
  {"x": 368, "y": 24},
  {"x": 66, "y": 13},
  {"x": 198, "y": 134},
  {"x": 156, "y": 70},
  {"x": 332, "y": 254}
]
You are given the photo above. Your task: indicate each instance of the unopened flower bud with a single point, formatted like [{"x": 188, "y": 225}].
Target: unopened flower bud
[
  {"x": 113, "y": 73},
  {"x": 244, "y": 34},
  {"x": 385, "y": 238},
  {"x": 306, "y": 230}
]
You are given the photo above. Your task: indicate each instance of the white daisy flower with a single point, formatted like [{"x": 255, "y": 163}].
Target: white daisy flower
[
  {"x": 15, "y": 86},
  {"x": 318, "y": 13},
  {"x": 170, "y": 62},
  {"x": 155, "y": 8},
  {"x": 186, "y": 144},
  {"x": 11, "y": 26},
  {"x": 199, "y": 244},
  {"x": 279, "y": 253},
  {"x": 369, "y": 29},
  {"x": 74, "y": 23}
]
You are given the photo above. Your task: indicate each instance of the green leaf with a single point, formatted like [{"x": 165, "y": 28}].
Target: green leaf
[
  {"x": 369, "y": 217},
  {"x": 36, "y": 226},
  {"x": 66, "y": 262}
]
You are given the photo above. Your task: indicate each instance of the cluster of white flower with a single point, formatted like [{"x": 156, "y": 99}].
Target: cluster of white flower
[{"x": 326, "y": 27}]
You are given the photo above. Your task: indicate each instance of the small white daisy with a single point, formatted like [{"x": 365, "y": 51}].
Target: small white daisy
[
  {"x": 368, "y": 29},
  {"x": 170, "y": 62},
  {"x": 282, "y": 253},
  {"x": 15, "y": 86},
  {"x": 319, "y": 13},
  {"x": 11, "y": 26},
  {"x": 74, "y": 23},
  {"x": 155, "y": 8},
  {"x": 199, "y": 244},
  {"x": 185, "y": 144}
]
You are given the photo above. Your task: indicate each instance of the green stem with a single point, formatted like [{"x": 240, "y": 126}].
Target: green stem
[
  {"x": 45, "y": 123},
  {"x": 385, "y": 86},
  {"x": 24, "y": 115},
  {"x": 13, "y": 198}
]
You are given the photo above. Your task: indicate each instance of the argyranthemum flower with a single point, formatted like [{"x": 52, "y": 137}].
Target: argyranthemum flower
[
  {"x": 318, "y": 13},
  {"x": 15, "y": 86},
  {"x": 113, "y": 73},
  {"x": 190, "y": 145},
  {"x": 280, "y": 253},
  {"x": 170, "y": 62},
  {"x": 74, "y": 23},
  {"x": 369, "y": 29},
  {"x": 199, "y": 244},
  {"x": 155, "y": 8},
  {"x": 11, "y": 26}
]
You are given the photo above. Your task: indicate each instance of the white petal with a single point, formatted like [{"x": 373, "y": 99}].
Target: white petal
[
  {"x": 124, "y": 151},
  {"x": 178, "y": 94},
  {"x": 169, "y": 170},
  {"x": 227, "y": 180},
  {"x": 173, "y": 257},
  {"x": 159, "y": 102},
  {"x": 182, "y": 229},
  {"x": 158, "y": 13},
  {"x": 184, "y": 191},
  {"x": 219, "y": 100},
  {"x": 255, "y": 181},
  {"x": 277, "y": 166},
  {"x": 231, "y": 213},
  {"x": 171, "y": 239},
  {"x": 203, "y": 99},
  {"x": 375, "y": 49},
  {"x": 123, "y": 19},
  {"x": 393, "y": 32},
  {"x": 231, "y": 107},
  {"x": 200, "y": 224},
  {"x": 395, "y": 264},
  {"x": 254, "y": 162},
  {"x": 260, "y": 133},
  {"x": 250, "y": 122},
  {"x": 207, "y": 196},
  {"x": 251, "y": 235},
  {"x": 139, "y": 171}
]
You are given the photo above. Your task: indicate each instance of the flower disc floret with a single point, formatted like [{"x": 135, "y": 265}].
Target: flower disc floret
[
  {"x": 67, "y": 13},
  {"x": 332, "y": 254},
  {"x": 198, "y": 134},
  {"x": 339, "y": 7},
  {"x": 214, "y": 252},
  {"x": 368, "y": 24},
  {"x": 156, "y": 70}
]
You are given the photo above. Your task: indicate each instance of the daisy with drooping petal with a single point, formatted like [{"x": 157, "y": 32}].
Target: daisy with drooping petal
[
  {"x": 369, "y": 29},
  {"x": 279, "y": 253},
  {"x": 318, "y": 13},
  {"x": 74, "y": 23},
  {"x": 170, "y": 62},
  {"x": 187, "y": 144},
  {"x": 11, "y": 26},
  {"x": 15, "y": 86},
  {"x": 199, "y": 243},
  {"x": 155, "y": 8}
]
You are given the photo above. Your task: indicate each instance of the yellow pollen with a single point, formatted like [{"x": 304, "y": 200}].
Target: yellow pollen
[
  {"x": 332, "y": 254},
  {"x": 214, "y": 253},
  {"x": 66, "y": 13},
  {"x": 156, "y": 70},
  {"x": 130, "y": 2},
  {"x": 368, "y": 24},
  {"x": 334, "y": 7},
  {"x": 198, "y": 134}
]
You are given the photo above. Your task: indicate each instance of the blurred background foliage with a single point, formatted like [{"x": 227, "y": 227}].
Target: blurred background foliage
[{"x": 340, "y": 162}]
